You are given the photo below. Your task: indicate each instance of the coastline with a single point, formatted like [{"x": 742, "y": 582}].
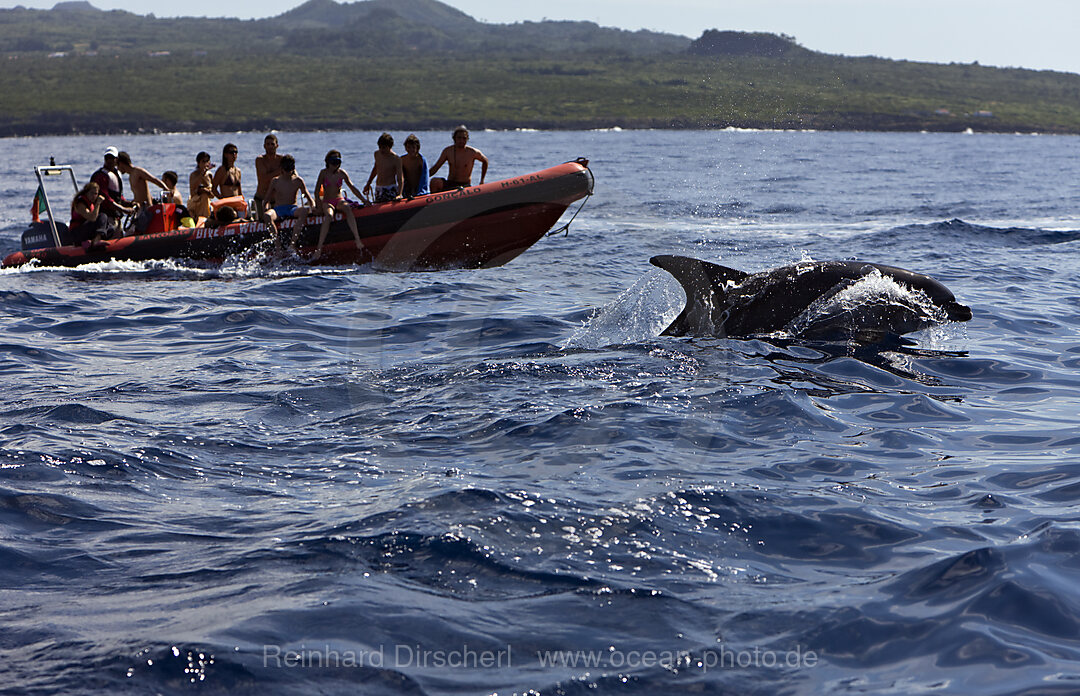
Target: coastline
[{"x": 884, "y": 123}]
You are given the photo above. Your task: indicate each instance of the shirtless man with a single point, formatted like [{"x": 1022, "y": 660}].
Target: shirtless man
[
  {"x": 267, "y": 166},
  {"x": 139, "y": 179},
  {"x": 387, "y": 168},
  {"x": 461, "y": 158},
  {"x": 281, "y": 201}
]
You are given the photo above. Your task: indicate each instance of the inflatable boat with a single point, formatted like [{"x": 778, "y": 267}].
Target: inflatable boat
[{"x": 472, "y": 227}]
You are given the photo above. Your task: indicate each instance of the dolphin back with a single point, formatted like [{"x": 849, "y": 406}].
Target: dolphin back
[
  {"x": 724, "y": 302},
  {"x": 703, "y": 283}
]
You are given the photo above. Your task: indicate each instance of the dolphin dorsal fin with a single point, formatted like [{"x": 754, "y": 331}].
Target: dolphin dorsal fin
[
  {"x": 703, "y": 283},
  {"x": 686, "y": 267}
]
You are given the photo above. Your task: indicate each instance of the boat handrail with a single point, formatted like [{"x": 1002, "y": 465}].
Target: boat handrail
[{"x": 51, "y": 170}]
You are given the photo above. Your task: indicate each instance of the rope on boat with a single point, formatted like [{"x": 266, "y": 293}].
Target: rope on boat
[{"x": 566, "y": 228}]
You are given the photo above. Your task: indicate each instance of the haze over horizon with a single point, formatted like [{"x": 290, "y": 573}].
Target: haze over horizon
[{"x": 1038, "y": 34}]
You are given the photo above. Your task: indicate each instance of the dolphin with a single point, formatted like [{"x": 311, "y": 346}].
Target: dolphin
[{"x": 806, "y": 299}]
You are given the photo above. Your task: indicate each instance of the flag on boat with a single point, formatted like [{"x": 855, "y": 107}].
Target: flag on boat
[{"x": 38, "y": 205}]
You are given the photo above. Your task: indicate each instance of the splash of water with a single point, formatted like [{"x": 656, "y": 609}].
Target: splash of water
[
  {"x": 639, "y": 314},
  {"x": 848, "y": 308}
]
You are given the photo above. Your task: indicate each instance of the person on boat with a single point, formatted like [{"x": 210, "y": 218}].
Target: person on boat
[
  {"x": 89, "y": 222},
  {"x": 111, "y": 188},
  {"x": 386, "y": 172},
  {"x": 460, "y": 157},
  {"x": 171, "y": 179},
  {"x": 202, "y": 187},
  {"x": 414, "y": 169},
  {"x": 281, "y": 201},
  {"x": 139, "y": 179},
  {"x": 328, "y": 199},
  {"x": 267, "y": 166},
  {"x": 227, "y": 177}
]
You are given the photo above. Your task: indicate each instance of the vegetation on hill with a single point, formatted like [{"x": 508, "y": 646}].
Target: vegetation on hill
[
  {"x": 422, "y": 64},
  {"x": 318, "y": 27},
  {"x": 739, "y": 43}
]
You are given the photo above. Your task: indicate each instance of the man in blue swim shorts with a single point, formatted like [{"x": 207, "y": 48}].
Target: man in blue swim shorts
[{"x": 285, "y": 211}]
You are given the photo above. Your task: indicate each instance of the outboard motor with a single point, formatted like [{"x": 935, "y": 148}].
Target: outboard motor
[{"x": 39, "y": 236}]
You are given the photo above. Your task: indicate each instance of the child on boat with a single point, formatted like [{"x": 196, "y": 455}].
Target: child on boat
[
  {"x": 387, "y": 168},
  {"x": 328, "y": 199},
  {"x": 281, "y": 195},
  {"x": 170, "y": 180},
  {"x": 414, "y": 169}
]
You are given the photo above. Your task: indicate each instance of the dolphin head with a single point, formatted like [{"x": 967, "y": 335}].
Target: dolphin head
[
  {"x": 957, "y": 311},
  {"x": 940, "y": 295}
]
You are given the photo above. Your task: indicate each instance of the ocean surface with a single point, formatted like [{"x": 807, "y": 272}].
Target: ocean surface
[{"x": 265, "y": 478}]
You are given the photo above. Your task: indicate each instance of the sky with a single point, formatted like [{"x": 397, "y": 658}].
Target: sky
[{"x": 1037, "y": 34}]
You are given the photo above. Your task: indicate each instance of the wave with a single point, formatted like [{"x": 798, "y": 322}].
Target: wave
[{"x": 960, "y": 231}]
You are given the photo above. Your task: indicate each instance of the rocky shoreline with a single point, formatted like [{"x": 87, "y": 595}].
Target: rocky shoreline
[{"x": 817, "y": 122}]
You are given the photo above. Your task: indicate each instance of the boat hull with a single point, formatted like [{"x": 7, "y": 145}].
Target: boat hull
[{"x": 473, "y": 227}]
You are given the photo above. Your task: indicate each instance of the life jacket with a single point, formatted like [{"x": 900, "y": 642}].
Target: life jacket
[
  {"x": 237, "y": 203},
  {"x": 77, "y": 219},
  {"x": 111, "y": 186},
  {"x": 162, "y": 218}
]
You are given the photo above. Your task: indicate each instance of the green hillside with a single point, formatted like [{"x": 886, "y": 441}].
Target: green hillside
[{"x": 419, "y": 64}]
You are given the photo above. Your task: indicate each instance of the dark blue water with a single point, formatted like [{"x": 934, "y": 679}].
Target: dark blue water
[{"x": 260, "y": 479}]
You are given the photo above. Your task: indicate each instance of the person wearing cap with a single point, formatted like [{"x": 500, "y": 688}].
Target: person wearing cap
[
  {"x": 111, "y": 187},
  {"x": 460, "y": 157}
]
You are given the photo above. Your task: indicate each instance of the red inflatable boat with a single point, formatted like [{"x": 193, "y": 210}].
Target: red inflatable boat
[{"x": 473, "y": 227}]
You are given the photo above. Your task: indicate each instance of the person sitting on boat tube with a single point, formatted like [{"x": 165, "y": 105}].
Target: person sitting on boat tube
[
  {"x": 386, "y": 172},
  {"x": 414, "y": 169},
  {"x": 227, "y": 177},
  {"x": 328, "y": 198},
  {"x": 280, "y": 200},
  {"x": 111, "y": 188},
  {"x": 89, "y": 222},
  {"x": 460, "y": 157}
]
